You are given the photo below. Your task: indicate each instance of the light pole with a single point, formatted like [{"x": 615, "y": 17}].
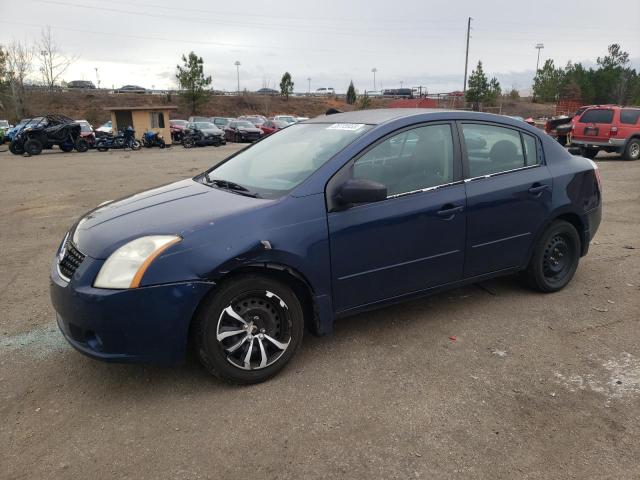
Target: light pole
[
  {"x": 237, "y": 64},
  {"x": 374, "y": 70},
  {"x": 401, "y": 82},
  {"x": 539, "y": 46},
  {"x": 309, "y": 90},
  {"x": 97, "y": 78}
]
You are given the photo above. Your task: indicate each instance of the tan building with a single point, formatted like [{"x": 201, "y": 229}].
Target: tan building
[{"x": 143, "y": 119}]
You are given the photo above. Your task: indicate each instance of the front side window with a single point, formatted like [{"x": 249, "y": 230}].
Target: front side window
[
  {"x": 629, "y": 116},
  {"x": 492, "y": 149},
  {"x": 279, "y": 163},
  {"x": 597, "y": 115},
  {"x": 410, "y": 161}
]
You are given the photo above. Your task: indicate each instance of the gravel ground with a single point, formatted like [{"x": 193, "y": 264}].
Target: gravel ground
[{"x": 487, "y": 381}]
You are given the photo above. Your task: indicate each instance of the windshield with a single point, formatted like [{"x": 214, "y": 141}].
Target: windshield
[
  {"x": 85, "y": 127},
  {"x": 205, "y": 125},
  {"x": 243, "y": 124},
  {"x": 179, "y": 122},
  {"x": 277, "y": 164}
]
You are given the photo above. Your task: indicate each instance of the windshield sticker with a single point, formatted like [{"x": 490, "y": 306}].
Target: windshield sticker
[{"x": 345, "y": 126}]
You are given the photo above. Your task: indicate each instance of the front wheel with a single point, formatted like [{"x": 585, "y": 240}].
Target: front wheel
[
  {"x": 16, "y": 148},
  {"x": 555, "y": 258},
  {"x": 33, "y": 146},
  {"x": 82, "y": 145},
  {"x": 249, "y": 329},
  {"x": 632, "y": 151},
  {"x": 188, "y": 142}
]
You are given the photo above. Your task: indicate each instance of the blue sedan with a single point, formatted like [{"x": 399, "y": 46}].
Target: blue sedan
[{"x": 326, "y": 218}]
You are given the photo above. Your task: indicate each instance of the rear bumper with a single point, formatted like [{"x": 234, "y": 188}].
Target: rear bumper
[
  {"x": 586, "y": 142},
  {"x": 148, "y": 324}
]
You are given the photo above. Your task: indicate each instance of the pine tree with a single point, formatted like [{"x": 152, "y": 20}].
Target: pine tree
[
  {"x": 351, "y": 94},
  {"x": 478, "y": 87},
  {"x": 192, "y": 81},
  {"x": 286, "y": 85}
]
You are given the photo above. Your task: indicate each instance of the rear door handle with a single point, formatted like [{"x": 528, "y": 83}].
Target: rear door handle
[
  {"x": 449, "y": 210},
  {"x": 536, "y": 189}
]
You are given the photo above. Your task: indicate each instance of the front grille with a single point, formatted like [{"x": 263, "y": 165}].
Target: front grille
[{"x": 71, "y": 260}]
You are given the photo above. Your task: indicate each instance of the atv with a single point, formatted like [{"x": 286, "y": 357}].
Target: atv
[{"x": 50, "y": 130}]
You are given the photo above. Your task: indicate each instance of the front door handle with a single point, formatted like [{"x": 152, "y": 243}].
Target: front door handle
[
  {"x": 537, "y": 189},
  {"x": 449, "y": 210}
]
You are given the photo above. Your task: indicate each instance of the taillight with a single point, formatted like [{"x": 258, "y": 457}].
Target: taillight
[
  {"x": 598, "y": 178},
  {"x": 613, "y": 131}
]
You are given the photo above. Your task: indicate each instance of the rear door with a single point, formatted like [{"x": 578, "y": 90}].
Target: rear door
[
  {"x": 595, "y": 125},
  {"x": 509, "y": 193}
]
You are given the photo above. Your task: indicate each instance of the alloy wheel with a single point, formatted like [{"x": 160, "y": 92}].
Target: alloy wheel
[{"x": 254, "y": 330}]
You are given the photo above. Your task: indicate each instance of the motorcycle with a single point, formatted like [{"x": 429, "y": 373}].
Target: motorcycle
[
  {"x": 153, "y": 139},
  {"x": 125, "y": 139}
]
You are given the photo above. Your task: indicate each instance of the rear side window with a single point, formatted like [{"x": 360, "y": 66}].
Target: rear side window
[
  {"x": 492, "y": 149},
  {"x": 597, "y": 115},
  {"x": 530, "y": 150},
  {"x": 629, "y": 115}
]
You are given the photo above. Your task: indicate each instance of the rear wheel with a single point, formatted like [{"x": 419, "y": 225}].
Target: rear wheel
[
  {"x": 66, "y": 147},
  {"x": 249, "y": 329},
  {"x": 589, "y": 152},
  {"x": 188, "y": 142},
  {"x": 33, "y": 146},
  {"x": 82, "y": 145},
  {"x": 632, "y": 151},
  {"x": 555, "y": 258}
]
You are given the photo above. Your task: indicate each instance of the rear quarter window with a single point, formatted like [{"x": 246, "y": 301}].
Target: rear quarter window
[
  {"x": 629, "y": 115},
  {"x": 597, "y": 115}
]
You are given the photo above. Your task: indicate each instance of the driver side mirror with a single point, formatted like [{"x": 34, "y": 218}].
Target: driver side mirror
[{"x": 360, "y": 190}]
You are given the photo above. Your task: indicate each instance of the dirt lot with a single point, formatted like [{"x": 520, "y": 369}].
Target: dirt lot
[{"x": 488, "y": 381}]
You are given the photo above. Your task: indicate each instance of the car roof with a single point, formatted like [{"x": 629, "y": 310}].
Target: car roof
[{"x": 380, "y": 116}]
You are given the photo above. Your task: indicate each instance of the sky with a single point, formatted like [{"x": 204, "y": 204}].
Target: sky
[{"x": 412, "y": 43}]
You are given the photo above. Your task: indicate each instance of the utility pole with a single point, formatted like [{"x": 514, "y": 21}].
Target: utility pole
[
  {"x": 539, "y": 46},
  {"x": 374, "y": 70},
  {"x": 97, "y": 78},
  {"x": 466, "y": 56},
  {"x": 309, "y": 89},
  {"x": 237, "y": 64}
]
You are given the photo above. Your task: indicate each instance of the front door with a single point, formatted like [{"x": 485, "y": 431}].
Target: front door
[
  {"x": 414, "y": 239},
  {"x": 508, "y": 196}
]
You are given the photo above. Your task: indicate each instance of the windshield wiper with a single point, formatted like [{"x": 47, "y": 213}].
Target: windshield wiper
[{"x": 232, "y": 186}]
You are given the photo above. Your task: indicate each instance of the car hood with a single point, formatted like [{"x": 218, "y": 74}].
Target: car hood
[
  {"x": 249, "y": 129},
  {"x": 211, "y": 131},
  {"x": 178, "y": 208}
]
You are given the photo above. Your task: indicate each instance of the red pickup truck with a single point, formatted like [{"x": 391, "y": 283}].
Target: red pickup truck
[{"x": 610, "y": 128}]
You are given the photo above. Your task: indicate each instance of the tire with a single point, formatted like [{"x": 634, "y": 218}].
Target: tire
[
  {"x": 66, "y": 147},
  {"x": 135, "y": 145},
  {"x": 161, "y": 143},
  {"x": 16, "y": 148},
  {"x": 555, "y": 258},
  {"x": 33, "y": 146},
  {"x": 632, "y": 150},
  {"x": 187, "y": 142},
  {"x": 274, "y": 337},
  {"x": 589, "y": 153},
  {"x": 82, "y": 145}
]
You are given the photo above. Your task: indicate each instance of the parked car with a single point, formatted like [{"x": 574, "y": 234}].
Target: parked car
[
  {"x": 131, "y": 89},
  {"x": 80, "y": 84},
  {"x": 398, "y": 93},
  {"x": 202, "y": 134},
  {"x": 198, "y": 119},
  {"x": 221, "y": 122},
  {"x": 334, "y": 216},
  {"x": 267, "y": 91},
  {"x": 242, "y": 131},
  {"x": 272, "y": 126},
  {"x": 87, "y": 132},
  {"x": 47, "y": 131},
  {"x": 610, "y": 128},
  {"x": 256, "y": 120},
  {"x": 177, "y": 126},
  {"x": 4, "y": 128},
  {"x": 286, "y": 118},
  {"x": 104, "y": 130}
]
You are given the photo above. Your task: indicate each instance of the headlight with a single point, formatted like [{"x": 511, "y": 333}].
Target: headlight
[{"x": 126, "y": 266}]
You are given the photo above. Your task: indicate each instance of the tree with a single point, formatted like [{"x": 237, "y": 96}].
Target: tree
[
  {"x": 286, "y": 85},
  {"x": 192, "y": 81},
  {"x": 53, "y": 63},
  {"x": 614, "y": 77},
  {"x": 547, "y": 82},
  {"x": 514, "y": 94},
  {"x": 478, "y": 87},
  {"x": 365, "y": 102},
  {"x": 494, "y": 92},
  {"x": 351, "y": 94},
  {"x": 18, "y": 64}
]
